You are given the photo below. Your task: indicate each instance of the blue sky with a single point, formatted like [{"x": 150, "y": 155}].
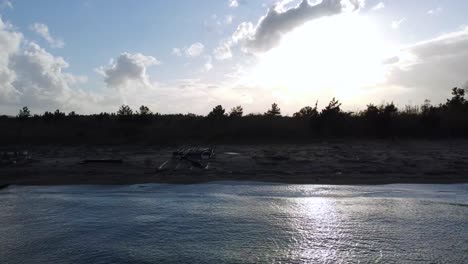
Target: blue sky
[{"x": 184, "y": 56}]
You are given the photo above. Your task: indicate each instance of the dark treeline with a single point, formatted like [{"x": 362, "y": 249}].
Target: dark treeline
[{"x": 448, "y": 120}]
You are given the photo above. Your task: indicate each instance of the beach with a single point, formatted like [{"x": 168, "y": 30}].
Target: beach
[{"x": 321, "y": 162}]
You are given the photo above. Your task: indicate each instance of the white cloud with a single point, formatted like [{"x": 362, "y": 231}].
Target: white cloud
[
  {"x": 209, "y": 63},
  {"x": 6, "y": 4},
  {"x": 41, "y": 80},
  {"x": 223, "y": 51},
  {"x": 243, "y": 31},
  {"x": 233, "y": 3},
  {"x": 281, "y": 6},
  {"x": 378, "y": 6},
  {"x": 434, "y": 11},
  {"x": 10, "y": 42},
  {"x": 31, "y": 76},
  {"x": 275, "y": 24},
  {"x": 397, "y": 23},
  {"x": 195, "y": 50},
  {"x": 429, "y": 69},
  {"x": 43, "y": 31},
  {"x": 128, "y": 68},
  {"x": 228, "y": 19},
  {"x": 177, "y": 52}
]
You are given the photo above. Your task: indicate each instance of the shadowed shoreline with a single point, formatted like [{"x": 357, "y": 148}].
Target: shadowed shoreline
[{"x": 336, "y": 162}]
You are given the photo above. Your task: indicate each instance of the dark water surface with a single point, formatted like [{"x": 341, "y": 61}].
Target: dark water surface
[{"x": 234, "y": 223}]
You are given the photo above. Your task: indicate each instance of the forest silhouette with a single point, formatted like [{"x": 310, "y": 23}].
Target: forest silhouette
[{"x": 126, "y": 126}]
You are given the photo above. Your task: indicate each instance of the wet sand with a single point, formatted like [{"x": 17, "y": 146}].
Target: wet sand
[{"x": 322, "y": 162}]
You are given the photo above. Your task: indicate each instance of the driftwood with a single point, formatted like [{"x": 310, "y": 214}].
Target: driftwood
[{"x": 195, "y": 157}]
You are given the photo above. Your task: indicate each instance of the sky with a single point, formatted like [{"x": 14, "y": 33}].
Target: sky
[{"x": 187, "y": 56}]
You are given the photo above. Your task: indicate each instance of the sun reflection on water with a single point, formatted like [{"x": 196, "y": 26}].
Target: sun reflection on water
[{"x": 315, "y": 225}]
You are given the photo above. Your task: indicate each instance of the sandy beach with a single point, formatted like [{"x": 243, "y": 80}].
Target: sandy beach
[{"x": 322, "y": 162}]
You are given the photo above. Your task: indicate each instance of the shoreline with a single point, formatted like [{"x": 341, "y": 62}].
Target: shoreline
[
  {"x": 322, "y": 163},
  {"x": 230, "y": 182}
]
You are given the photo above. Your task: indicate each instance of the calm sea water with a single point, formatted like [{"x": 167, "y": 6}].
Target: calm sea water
[{"x": 234, "y": 223}]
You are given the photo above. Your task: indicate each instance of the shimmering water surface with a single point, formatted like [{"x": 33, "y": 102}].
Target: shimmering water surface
[{"x": 234, "y": 223}]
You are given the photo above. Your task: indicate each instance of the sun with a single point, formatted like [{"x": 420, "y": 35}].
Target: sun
[{"x": 331, "y": 57}]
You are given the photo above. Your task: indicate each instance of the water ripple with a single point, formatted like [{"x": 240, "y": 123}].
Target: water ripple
[{"x": 234, "y": 223}]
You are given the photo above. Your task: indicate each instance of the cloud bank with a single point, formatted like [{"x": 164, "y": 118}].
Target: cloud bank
[
  {"x": 432, "y": 67},
  {"x": 31, "y": 76}
]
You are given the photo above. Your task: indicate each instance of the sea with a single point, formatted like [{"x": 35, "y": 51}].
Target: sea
[{"x": 234, "y": 222}]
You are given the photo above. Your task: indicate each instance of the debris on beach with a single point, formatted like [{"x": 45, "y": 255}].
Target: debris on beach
[
  {"x": 14, "y": 157},
  {"x": 271, "y": 158},
  {"x": 102, "y": 161},
  {"x": 232, "y": 153},
  {"x": 192, "y": 157}
]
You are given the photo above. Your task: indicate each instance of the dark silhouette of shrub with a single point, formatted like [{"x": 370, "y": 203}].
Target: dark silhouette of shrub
[
  {"x": 371, "y": 118},
  {"x": 332, "y": 109},
  {"x": 48, "y": 116},
  {"x": 59, "y": 115},
  {"x": 274, "y": 111},
  {"x": 307, "y": 112},
  {"x": 331, "y": 121},
  {"x": 449, "y": 119},
  {"x": 24, "y": 113},
  {"x": 456, "y": 113},
  {"x": 217, "y": 113},
  {"x": 430, "y": 118},
  {"x": 125, "y": 110},
  {"x": 457, "y": 102},
  {"x": 371, "y": 113},
  {"x": 388, "y": 114},
  {"x": 144, "y": 111},
  {"x": 379, "y": 120},
  {"x": 237, "y": 111},
  {"x": 144, "y": 115},
  {"x": 125, "y": 113}
]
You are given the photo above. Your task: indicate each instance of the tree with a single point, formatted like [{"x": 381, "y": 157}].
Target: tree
[
  {"x": 458, "y": 97},
  {"x": 307, "y": 112},
  {"x": 217, "y": 112},
  {"x": 458, "y": 101},
  {"x": 144, "y": 110},
  {"x": 430, "y": 117},
  {"x": 426, "y": 107},
  {"x": 125, "y": 110},
  {"x": 58, "y": 114},
  {"x": 372, "y": 112},
  {"x": 274, "y": 111},
  {"x": 237, "y": 111},
  {"x": 48, "y": 116},
  {"x": 390, "y": 110},
  {"x": 331, "y": 119},
  {"x": 24, "y": 112},
  {"x": 332, "y": 109}
]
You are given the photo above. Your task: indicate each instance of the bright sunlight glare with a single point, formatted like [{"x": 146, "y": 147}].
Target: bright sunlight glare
[{"x": 337, "y": 56}]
